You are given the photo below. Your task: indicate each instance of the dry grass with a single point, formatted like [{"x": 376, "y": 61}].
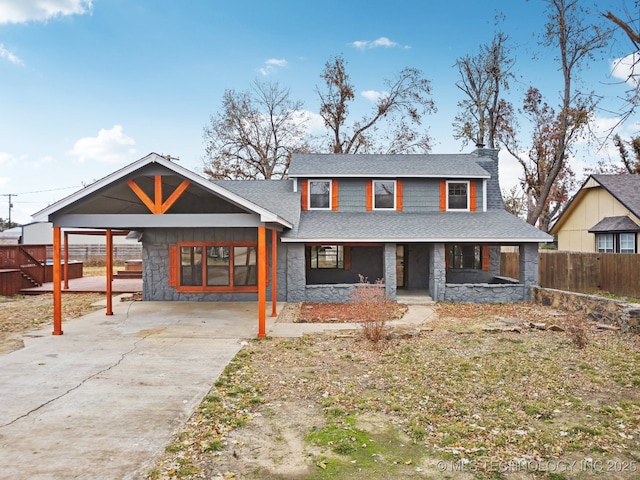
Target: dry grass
[{"x": 493, "y": 405}]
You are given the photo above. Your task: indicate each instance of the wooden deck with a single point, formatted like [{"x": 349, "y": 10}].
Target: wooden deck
[{"x": 90, "y": 285}]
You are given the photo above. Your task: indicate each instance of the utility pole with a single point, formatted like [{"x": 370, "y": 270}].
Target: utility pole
[{"x": 10, "y": 204}]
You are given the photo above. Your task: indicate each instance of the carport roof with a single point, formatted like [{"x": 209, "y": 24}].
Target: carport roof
[{"x": 218, "y": 189}]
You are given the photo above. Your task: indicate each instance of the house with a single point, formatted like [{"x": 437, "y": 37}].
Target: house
[
  {"x": 426, "y": 222},
  {"x": 603, "y": 216}
]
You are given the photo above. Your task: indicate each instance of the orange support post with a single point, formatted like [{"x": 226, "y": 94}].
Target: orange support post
[
  {"x": 57, "y": 291},
  {"x": 66, "y": 261},
  {"x": 274, "y": 271},
  {"x": 262, "y": 282},
  {"x": 109, "y": 270}
]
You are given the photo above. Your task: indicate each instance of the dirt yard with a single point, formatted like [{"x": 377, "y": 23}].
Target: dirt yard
[{"x": 481, "y": 391}]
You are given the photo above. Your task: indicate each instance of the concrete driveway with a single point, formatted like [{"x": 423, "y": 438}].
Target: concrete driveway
[{"x": 102, "y": 400}]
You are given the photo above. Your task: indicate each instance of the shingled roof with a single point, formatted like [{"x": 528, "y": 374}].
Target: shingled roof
[
  {"x": 396, "y": 166},
  {"x": 625, "y": 188},
  {"x": 380, "y": 226}
]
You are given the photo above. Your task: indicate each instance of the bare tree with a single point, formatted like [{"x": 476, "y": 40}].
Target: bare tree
[
  {"x": 515, "y": 202},
  {"x": 550, "y": 131},
  {"x": 402, "y": 108},
  {"x": 555, "y": 134},
  {"x": 632, "y": 97},
  {"x": 483, "y": 78},
  {"x": 631, "y": 161},
  {"x": 254, "y": 134}
]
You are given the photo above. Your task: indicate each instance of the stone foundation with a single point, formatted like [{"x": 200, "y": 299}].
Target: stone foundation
[
  {"x": 335, "y": 293},
  {"x": 599, "y": 309},
  {"x": 484, "y": 293}
]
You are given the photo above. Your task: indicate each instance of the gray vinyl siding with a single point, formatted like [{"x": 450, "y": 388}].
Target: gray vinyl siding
[
  {"x": 420, "y": 195},
  {"x": 352, "y": 195}
]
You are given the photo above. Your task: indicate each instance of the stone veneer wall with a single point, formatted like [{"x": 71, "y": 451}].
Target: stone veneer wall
[
  {"x": 155, "y": 263},
  {"x": 484, "y": 292},
  {"x": 599, "y": 309}
]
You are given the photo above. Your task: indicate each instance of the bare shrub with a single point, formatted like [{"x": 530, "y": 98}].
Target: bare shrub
[
  {"x": 577, "y": 332},
  {"x": 369, "y": 308}
]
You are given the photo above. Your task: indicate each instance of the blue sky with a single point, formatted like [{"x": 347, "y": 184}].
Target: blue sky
[{"x": 88, "y": 86}]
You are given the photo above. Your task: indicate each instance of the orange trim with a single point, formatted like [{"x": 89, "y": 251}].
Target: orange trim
[
  {"x": 399, "y": 195},
  {"x": 177, "y": 193},
  {"x": 109, "y": 263},
  {"x": 262, "y": 287},
  {"x": 334, "y": 194},
  {"x": 66, "y": 261},
  {"x": 158, "y": 194},
  {"x": 485, "y": 257},
  {"x": 472, "y": 195},
  {"x": 347, "y": 257},
  {"x": 57, "y": 291},
  {"x": 304, "y": 194},
  {"x": 142, "y": 196},
  {"x": 174, "y": 267},
  {"x": 446, "y": 256},
  {"x": 274, "y": 271},
  {"x": 369, "y": 192},
  {"x": 443, "y": 195}
]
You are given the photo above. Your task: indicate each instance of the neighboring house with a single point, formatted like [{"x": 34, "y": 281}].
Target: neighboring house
[
  {"x": 427, "y": 222},
  {"x": 604, "y": 216}
]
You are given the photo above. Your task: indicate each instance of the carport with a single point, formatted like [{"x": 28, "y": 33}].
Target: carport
[{"x": 201, "y": 241}]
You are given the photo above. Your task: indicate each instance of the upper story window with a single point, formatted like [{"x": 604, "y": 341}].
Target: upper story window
[
  {"x": 384, "y": 195},
  {"x": 319, "y": 194},
  {"x": 457, "y": 195}
]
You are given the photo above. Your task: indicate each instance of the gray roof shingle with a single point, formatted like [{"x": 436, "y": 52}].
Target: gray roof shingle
[
  {"x": 626, "y": 188},
  {"x": 615, "y": 224},
  {"x": 495, "y": 225},
  {"x": 366, "y": 165},
  {"x": 277, "y": 196}
]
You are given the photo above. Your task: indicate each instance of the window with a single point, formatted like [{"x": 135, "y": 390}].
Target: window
[
  {"x": 244, "y": 266},
  {"x": 616, "y": 242},
  {"x": 465, "y": 256},
  {"x": 384, "y": 194},
  {"x": 217, "y": 266},
  {"x": 627, "y": 243},
  {"x": 605, "y": 242},
  {"x": 320, "y": 194},
  {"x": 227, "y": 267},
  {"x": 457, "y": 195},
  {"x": 327, "y": 256}
]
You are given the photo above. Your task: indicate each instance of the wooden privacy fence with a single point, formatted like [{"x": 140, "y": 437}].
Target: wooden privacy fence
[{"x": 616, "y": 273}]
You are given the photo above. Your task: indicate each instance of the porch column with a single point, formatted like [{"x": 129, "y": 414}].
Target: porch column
[
  {"x": 109, "y": 262},
  {"x": 262, "y": 282},
  {"x": 437, "y": 272},
  {"x": 390, "y": 280},
  {"x": 528, "y": 267},
  {"x": 66, "y": 261},
  {"x": 57, "y": 291},
  {"x": 274, "y": 271}
]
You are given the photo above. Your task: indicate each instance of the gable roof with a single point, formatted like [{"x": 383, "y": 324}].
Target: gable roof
[
  {"x": 314, "y": 165},
  {"x": 153, "y": 158},
  {"x": 625, "y": 188},
  {"x": 380, "y": 226}
]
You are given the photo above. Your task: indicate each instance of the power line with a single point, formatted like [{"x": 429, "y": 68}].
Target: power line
[{"x": 43, "y": 191}]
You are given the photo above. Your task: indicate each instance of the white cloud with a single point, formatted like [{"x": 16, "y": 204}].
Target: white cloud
[
  {"x": 626, "y": 68},
  {"x": 312, "y": 121},
  {"x": 109, "y": 146},
  {"x": 8, "y": 55},
  {"x": 4, "y": 180},
  {"x": 374, "y": 96},
  {"x": 6, "y": 159},
  {"x": 379, "y": 42},
  {"x": 21, "y": 11},
  {"x": 272, "y": 65}
]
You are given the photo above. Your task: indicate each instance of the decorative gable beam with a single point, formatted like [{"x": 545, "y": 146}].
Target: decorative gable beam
[{"x": 157, "y": 206}]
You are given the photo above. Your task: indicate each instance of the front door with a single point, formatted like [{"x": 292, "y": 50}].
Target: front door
[{"x": 401, "y": 253}]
